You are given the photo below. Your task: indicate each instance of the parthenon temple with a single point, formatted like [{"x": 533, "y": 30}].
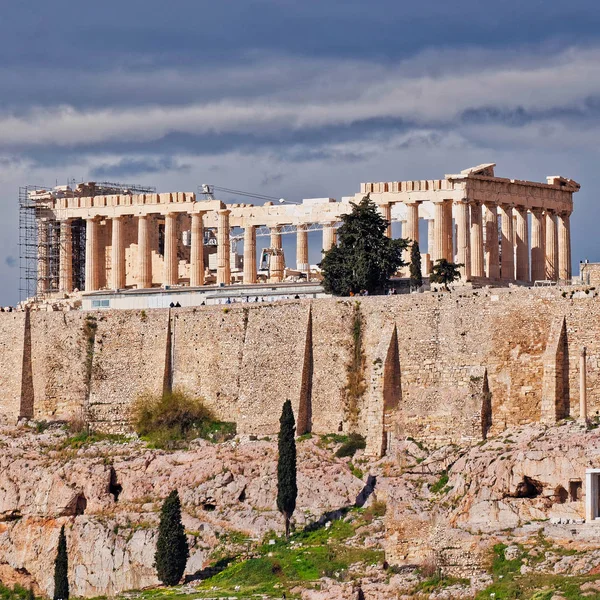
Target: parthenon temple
[{"x": 167, "y": 239}]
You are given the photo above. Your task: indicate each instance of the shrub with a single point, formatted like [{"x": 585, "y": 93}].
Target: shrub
[
  {"x": 355, "y": 442},
  {"x": 173, "y": 418}
]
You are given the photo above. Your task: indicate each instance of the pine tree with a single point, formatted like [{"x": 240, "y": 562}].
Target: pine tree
[
  {"x": 365, "y": 258},
  {"x": 445, "y": 272},
  {"x": 287, "y": 488},
  {"x": 172, "y": 549},
  {"x": 61, "y": 568},
  {"x": 416, "y": 279}
]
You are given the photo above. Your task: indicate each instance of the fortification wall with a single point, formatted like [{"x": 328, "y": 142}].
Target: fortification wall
[{"x": 419, "y": 369}]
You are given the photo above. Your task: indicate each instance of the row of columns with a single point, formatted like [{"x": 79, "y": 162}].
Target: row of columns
[
  {"x": 477, "y": 245},
  {"x": 506, "y": 257}
]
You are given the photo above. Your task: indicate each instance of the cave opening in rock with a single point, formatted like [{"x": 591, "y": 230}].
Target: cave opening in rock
[
  {"x": 561, "y": 494},
  {"x": 114, "y": 487},
  {"x": 575, "y": 490},
  {"x": 242, "y": 496},
  {"x": 528, "y": 488},
  {"x": 80, "y": 505},
  {"x": 209, "y": 507}
]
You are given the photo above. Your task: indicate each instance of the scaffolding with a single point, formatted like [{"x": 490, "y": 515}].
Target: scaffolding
[{"x": 43, "y": 235}]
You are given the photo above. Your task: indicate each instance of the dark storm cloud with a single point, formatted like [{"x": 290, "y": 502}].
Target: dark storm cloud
[{"x": 131, "y": 166}]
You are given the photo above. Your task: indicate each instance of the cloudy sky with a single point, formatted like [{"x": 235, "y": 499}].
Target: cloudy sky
[{"x": 296, "y": 98}]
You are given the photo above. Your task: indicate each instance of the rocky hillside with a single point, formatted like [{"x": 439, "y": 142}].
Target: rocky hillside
[{"x": 448, "y": 512}]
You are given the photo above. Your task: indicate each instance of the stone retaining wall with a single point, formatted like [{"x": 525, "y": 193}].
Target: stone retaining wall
[{"x": 245, "y": 360}]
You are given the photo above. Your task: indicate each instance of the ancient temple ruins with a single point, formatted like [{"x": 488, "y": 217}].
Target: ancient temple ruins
[{"x": 501, "y": 230}]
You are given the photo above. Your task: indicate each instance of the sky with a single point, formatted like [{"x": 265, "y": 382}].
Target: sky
[{"x": 296, "y": 99}]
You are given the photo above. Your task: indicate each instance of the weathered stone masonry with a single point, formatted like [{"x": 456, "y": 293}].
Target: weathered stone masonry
[{"x": 426, "y": 359}]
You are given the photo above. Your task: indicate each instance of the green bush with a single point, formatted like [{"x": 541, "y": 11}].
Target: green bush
[
  {"x": 16, "y": 593},
  {"x": 355, "y": 442},
  {"x": 173, "y": 418}
]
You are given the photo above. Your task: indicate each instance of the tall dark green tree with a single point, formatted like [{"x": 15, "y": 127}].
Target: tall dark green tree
[
  {"x": 416, "y": 278},
  {"x": 445, "y": 272},
  {"x": 360, "y": 595},
  {"x": 287, "y": 487},
  {"x": 61, "y": 568},
  {"x": 364, "y": 258},
  {"x": 172, "y": 549}
]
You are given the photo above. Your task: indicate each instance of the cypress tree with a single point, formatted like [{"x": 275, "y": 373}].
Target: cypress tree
[
  {"x": 172, "y": 549},
  {"x": 416, "y": 278},
  {"x": 287, "y": 488},
  {"x": 61, "y": 568},
  {"x": 30, "y": 594},
  {"x": 360, "y": 595}
]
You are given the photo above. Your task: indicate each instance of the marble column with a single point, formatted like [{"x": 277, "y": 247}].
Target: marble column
[
  {"x": 476, "y": 241},
  {"x": 65, "y": 259},
  {"x": 171, "y": 276},
  {"x": 302, "y": 263},
  {"x": 522, "y": 244},
  {"x": 463, "y": 239},
  {"x": 538, "y": 246},
  {"x": 564, "y": 247},
  {"x": 449, "y": 233},
  {"x": 223, "y": 248},
  {"x": 144, "y": 278},
  {"x": 117, "y": 254},
  {"x": 430, "y": 236},
  {"x": 329, "y": 236},
  {"x": 250, "y": 254},
  {"x": 492, "y": 265},
  {"x": 551, "y": 247},
  {"x": 410, "y": 230},
  {"x": 92, "y": 258},
  {"x": 440, "y": 230},
  {"x": 276, "y": 265},
  {"x": 197, "y": 250},
  {"x": 386, "y": 212},
  {"x": 507, "y": 243},
  {"x": 43, "y": 267}
]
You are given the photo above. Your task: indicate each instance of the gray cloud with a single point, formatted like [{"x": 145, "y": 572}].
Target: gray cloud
[{"x": 137, "y": 166}]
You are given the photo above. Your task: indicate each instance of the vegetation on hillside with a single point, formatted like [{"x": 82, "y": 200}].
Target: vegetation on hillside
[
  {"x": 364, "y": 258},
  {"x": 416, "y": 277},
  {"x": 171, "y": 419}
]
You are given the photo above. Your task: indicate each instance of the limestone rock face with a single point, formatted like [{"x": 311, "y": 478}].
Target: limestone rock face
[{"x": 108, "y": 497}]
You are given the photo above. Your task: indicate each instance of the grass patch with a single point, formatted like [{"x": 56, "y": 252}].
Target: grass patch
[
  {"x": 172, "y": 419},
  {"x": 16, "y": 593},
  {"x": 348, "y": 448},
  {"x": 437, "y": 582},
  {"x": 279, "y": 565},
  {"x": 440, "y": 484},
  {"x": 87, "y": 438}
]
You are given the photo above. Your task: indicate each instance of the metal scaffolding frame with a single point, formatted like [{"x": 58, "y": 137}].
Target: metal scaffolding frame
[{"x": 40, "y": 241}]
